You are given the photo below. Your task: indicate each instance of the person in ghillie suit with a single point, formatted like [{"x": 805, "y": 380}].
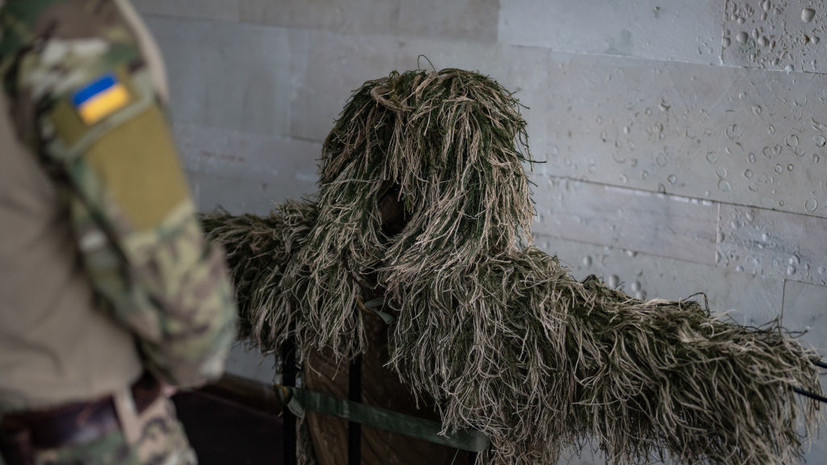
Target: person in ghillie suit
[{"x": 424, "y": 206}]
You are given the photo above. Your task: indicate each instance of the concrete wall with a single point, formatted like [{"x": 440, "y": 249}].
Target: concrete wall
[{"x": 684, "y": 140}]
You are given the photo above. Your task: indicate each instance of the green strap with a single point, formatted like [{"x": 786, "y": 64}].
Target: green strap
[{"x": 380, "y": 418}]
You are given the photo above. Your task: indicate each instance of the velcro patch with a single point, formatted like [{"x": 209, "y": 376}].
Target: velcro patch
[
  {"x": 138, "y": 165},
  {"x": 100, "y": 98}
]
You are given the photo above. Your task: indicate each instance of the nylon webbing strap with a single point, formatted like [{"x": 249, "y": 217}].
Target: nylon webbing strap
[{"x": 301, "y": 400}]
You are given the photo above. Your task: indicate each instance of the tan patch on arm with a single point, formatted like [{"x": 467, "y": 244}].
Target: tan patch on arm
[
  {"x": 68, "y": 125},
  {"x": 138, "y": 164}
]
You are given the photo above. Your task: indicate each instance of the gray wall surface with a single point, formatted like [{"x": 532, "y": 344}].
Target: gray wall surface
[{"x": 684, "y": 141}]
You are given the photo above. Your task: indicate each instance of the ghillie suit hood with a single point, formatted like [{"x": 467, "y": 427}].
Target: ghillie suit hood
[{"x": 424, "y": 200}]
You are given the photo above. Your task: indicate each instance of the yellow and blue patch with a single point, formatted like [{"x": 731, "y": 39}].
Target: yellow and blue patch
[{"x": 100, "y": 98}]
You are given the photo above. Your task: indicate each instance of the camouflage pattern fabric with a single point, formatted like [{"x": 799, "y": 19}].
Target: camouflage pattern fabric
[
  {"x": 136, "y": 227},
  {"x": 162, "y": 441}
]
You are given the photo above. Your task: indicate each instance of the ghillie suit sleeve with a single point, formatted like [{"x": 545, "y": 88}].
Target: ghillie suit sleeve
[{"x": 493, "y": 330}]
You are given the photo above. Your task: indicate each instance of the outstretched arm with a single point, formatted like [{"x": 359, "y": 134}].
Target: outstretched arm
[{"x": 259, "y": 251}]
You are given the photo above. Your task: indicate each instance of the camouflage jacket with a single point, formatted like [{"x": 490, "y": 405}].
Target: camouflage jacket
[{"x": 82, "y": 98}]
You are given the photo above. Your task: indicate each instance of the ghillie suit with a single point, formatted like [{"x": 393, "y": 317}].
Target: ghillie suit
[{"x": 424, "y": 202}]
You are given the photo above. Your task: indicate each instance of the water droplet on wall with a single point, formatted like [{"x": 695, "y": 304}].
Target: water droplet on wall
[
  {"x": 751, "y": 157},
  {"x": 791, "y": 140},
  {"x": 711, "y": 157},
  {"x": 790, "y": 167},
  {"x": 731, "y": 131},
  {"x": 765, "y": 5},
  {"x": 614, "y": 281},
  {"x": 644, "y": 175},
  {"x": 811, "y": 205},
  {"x": 791, "y": 270},
  {"x": 661, "y": 188},
  {"x": 819, "y": 140},
  {"x": 763, "y": 41},
  {"x": 807, "y": 14},
  {"x": 748, "y": 173},
  {"x": 770, "y": 151},
  {"x": 778, "y": 168},
  {"x": 739, "y": 268},
  {"x": 587, "y": 260},
  {"x": 672, "y": 179},
  {"x": 771, "y": 129},
  {"x": 724, "y": 185},
  {"x": 636, "y": 286}
]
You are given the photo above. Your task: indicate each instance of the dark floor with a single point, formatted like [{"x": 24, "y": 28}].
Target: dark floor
[{"x": 226, "y": 433}]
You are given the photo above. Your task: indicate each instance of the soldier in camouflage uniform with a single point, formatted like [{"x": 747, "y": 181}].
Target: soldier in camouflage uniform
[{"x": 108, "y": 290}]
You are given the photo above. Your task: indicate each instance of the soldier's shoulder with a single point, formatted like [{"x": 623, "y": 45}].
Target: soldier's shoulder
[
  {"x": 65, "y": 33},
  {"x": 53, "y": 49}
]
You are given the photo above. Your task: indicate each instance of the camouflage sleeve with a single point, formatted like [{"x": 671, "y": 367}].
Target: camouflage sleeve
[{"x": 83, "y": 99}]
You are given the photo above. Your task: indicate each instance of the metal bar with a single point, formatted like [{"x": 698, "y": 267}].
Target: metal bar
[
  {"x": 288, "y": 354},
  {"x": 246, "y": 392},
  {"x": 809, "y": 394},
  {"x": 354, "y": 430}
]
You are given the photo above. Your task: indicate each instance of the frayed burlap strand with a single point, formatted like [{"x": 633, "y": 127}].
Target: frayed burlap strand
[{"x": 493, "y": 329}]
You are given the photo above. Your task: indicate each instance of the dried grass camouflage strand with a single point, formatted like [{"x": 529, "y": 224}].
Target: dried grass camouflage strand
[{"x": 495, "y": 330}]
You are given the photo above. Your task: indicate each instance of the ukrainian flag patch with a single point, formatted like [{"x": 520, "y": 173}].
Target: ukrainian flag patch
[{"x": 100, "y": 98}]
